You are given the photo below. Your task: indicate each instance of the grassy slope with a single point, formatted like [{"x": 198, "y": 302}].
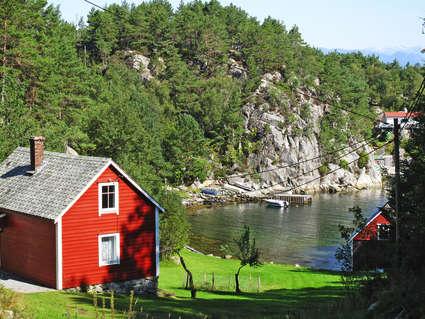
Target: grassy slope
[{"x": 283, "y": 289}]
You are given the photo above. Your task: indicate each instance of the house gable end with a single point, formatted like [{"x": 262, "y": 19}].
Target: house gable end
[
  {"x": 123, "y": 175},
  {"x": 135, "y": 226}
]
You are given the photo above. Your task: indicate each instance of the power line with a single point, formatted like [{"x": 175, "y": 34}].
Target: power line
[
  {"x": 331, "y": 172},
  {"x": 316, "y": 168},
  {"x": 303, "y": 161},
  {"x": 359, "y": 114},
  {"x": 348, "y": 110},
  {"x": 98, "y": 6}
]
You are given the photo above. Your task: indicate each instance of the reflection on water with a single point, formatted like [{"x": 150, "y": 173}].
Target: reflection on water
[{"x": 307, "y": 235}]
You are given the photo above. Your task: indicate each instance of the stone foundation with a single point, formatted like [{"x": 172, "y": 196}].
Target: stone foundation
[{"x": 143, "y": 286}]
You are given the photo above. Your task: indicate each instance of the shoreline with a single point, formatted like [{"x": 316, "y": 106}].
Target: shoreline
[{"x": 198, "y": 200}]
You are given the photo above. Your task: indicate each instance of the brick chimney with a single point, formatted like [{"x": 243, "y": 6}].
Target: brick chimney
[{"x": 36, "y": 152}]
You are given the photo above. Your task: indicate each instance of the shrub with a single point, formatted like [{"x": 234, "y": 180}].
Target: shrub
[
  {"x": 343, "y": 164},
  {"x": 324, "y": 169},
  {"x": 363, "y": 159},
  {"x": 9, "y": 300},
  {"x": 389, "y": 149},
  {"x": 292, "y": 118},
  {"x": 404, "y": 143},
  {"x": 305, "y": 112}
]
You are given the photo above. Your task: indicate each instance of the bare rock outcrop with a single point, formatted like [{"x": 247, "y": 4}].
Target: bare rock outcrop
[
  {"x": 237, "y": 69},
  {"x": 139, "y": 62},
  {"x": 287, "y": 134}
]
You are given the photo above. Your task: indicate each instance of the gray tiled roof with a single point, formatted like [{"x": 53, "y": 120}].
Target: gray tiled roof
[{"x": 52, "y": 188}]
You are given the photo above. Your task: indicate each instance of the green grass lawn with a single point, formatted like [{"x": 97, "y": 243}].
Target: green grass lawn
[{"x": 272, "y": 290}]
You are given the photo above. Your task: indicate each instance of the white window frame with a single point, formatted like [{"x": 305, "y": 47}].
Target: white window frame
[
  {"x": 116, "y": 197},
  {"x": 378, "y": 232},
  {"x": 117, "y": 249}
]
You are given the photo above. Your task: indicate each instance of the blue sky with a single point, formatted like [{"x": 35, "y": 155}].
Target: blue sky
[{"x": 346, "y": 24}]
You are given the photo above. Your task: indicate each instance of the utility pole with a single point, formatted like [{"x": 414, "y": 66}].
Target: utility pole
[{"x": 397, "y": 180}]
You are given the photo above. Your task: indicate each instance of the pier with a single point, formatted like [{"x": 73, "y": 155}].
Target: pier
[{"x": 295, "y": 198}]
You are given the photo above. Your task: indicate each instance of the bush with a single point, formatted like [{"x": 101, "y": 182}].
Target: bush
[
  {"x": 305, "y": 112},
  {"x": 291, "y": 118},
  {"x": 389, "y": 149},
  {"x": 324, "y": 169},
  {"x": 9, "y": 300},
  {"x": 363, "y": 159},
  {"x": 343, "y": 164}
]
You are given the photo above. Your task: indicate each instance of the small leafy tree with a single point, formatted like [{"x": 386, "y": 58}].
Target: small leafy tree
[
  {"x": 246, "y": 252},
  {"x": 174, "y": 232}
]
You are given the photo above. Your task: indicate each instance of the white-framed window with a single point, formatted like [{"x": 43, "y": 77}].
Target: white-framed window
[
  {"x": 109, "y": 249},
  {"x": 384, "y": 231},
  {"x": 108, "y": 198}
]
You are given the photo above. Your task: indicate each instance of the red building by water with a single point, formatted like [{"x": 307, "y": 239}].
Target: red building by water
[
  {"x": 372, "y": 246},
  {"x": 70, "y": 221}
]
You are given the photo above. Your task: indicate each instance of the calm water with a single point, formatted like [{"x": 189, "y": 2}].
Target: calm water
[{"x": 306, "y": 235}]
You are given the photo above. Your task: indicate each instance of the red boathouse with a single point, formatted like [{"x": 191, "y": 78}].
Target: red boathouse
[
  {"x": 372, "y": 246},
  {"x": 70, "y": 221}
]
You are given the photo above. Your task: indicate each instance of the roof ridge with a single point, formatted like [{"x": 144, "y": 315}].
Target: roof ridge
[{"x": 64, "y": 155}]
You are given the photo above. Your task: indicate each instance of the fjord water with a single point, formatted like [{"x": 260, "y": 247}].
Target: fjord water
[{"x": 305, "y": 235}]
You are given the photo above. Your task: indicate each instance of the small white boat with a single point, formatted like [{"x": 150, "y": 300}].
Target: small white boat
[{"x": 277, "y": 203}]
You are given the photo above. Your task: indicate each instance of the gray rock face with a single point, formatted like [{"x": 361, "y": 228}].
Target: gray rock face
[
  {"x": 290, "y": 136},
  {"x": 140, "y": 63},
  {"x": 236, "y": 69}
]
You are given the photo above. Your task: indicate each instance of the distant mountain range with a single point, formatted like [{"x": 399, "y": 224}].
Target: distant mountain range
[{"x": 403, "y": 55}]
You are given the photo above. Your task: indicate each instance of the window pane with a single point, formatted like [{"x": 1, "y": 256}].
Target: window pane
[
  {"x": 106, "y": 250},
  {"x": 104, "y": 200},
  {"x": 384, "y": 232},
  {"x": 108, "y": 253},
  {"x": 113, "y": 252},
  {"x": 111, "y": 188},
  {"x": 104, "y": 189},
  {"x": 111, "y": 201}
]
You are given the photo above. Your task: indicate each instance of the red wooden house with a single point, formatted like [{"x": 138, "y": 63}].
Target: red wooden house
[
  {"x": 72, "y": 220},
  {"x": 372, "y": 246}
]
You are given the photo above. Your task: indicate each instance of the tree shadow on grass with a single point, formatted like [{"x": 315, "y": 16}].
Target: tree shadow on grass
[
  {"x": 316, "y": 271},
  {"x": 225, "y": 304}
]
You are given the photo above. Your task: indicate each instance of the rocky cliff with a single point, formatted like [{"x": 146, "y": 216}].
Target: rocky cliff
[{"x": 287, "y": 132}]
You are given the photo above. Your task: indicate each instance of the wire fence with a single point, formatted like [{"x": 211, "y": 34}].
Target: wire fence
[{"x": 210, "y": 281}]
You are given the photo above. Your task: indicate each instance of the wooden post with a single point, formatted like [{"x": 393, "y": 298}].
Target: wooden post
[
  {"x": 212, "y": 281},
  {"x": 258, "y": 284},
  {"x": 187, "y": 282}
]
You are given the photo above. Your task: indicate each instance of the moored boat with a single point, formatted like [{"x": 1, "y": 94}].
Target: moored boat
[{"x": 277, "y": 203}]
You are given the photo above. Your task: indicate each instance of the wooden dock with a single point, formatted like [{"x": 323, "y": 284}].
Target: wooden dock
[{"x": 295, "y": 198}]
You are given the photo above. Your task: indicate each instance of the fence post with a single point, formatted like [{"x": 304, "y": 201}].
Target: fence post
[
  {"x": 212, "y": 281},
  {"x": 187, "y": 282},
  {"x": 258, "y": 284}
]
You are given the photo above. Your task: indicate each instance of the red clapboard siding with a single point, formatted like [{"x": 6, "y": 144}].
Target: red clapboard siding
[
  {"x": 371, "y": 230},
  {"x": 28, "y": 248},
  {"x": 82, "y": 225}
]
